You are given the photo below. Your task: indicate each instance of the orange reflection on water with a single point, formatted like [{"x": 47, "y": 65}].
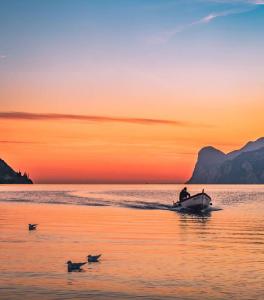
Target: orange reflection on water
[{"x": 150, "y": 253}]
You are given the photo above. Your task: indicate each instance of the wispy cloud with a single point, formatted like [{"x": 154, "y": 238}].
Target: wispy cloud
[
  {"x": 259, "y": 2},
  {"x": 246, "y": 6},
  {"x": 93, "y": 119},
  {"x": 16, "y": 142},
  {"x": 3, "y": 56},
  {"x": 252, "y": 2},
  {"x": 214, "y": 15}
]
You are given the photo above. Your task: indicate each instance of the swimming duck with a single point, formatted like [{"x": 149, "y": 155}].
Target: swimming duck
[
  {"x": 93, "y": 258},
  {"x": 74, "y": 266},
  {"x": 32, "y": 226}
]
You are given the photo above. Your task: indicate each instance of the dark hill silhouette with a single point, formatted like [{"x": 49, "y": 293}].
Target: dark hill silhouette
[
  {"x": 243, "y": 166},
  {"x": 9, "y": 176}
]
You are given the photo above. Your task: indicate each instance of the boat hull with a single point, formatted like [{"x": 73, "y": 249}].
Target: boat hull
[{"x": 196, "y": 202}]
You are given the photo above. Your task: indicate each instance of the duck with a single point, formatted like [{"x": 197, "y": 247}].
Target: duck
[
  {"x": 32, "y": 226},
  {"x": 74, "y": 266},
  {"x": 93, "y": 258}
]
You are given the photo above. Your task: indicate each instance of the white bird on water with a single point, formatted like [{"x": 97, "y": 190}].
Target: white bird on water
[
  {"x": 93, "y": 258},
  {"x": 32, "y": 226},
  {"x": 74, "y": 266}
]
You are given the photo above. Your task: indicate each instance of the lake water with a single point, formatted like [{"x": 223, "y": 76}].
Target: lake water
[{"x": 148, "y": 251}]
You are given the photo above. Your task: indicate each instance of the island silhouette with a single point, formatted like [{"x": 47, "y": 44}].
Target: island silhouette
[{"x": 9, "y": 176}]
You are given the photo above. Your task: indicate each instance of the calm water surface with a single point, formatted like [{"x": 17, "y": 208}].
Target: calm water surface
[{"x": 149, "y": 252}]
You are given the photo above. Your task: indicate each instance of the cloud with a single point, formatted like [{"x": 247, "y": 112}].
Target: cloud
[
  {"x": 245, "y": 6},
  {"x": 3, "y": 56},
  {"x": 252, "y": 2},
  {"x": 165, "y": 36},
  {"x": 214, "y": 15},
  {"x": 93, "y": 119},
  {"x": 259, "y": 2},
  {"x": 16, "y": 142}
]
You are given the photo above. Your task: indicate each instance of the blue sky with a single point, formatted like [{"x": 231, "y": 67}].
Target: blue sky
[{"x": 33, "y": 31}]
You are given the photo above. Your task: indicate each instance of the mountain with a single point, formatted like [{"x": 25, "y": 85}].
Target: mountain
[
  {"x": 243, "y": 166},
  {"x": 8, "y": 175},
  {"x": 250, "y": 146}
]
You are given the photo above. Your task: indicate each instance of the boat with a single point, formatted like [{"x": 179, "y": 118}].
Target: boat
[{"x": 196, "y": 202}]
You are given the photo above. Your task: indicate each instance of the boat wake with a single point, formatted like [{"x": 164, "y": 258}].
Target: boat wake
[{"x": 153, "y": 200}]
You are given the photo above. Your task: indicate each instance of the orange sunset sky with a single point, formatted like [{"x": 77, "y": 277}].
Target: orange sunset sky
[{"x": 127, "y": 91}]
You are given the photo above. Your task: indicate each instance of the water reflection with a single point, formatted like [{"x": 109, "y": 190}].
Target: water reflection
[
  {"x": 195, "y": 216},
  {"x": 148, "y": 254}
]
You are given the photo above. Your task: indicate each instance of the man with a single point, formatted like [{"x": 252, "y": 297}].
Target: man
[{"x": 184, "y": 194}]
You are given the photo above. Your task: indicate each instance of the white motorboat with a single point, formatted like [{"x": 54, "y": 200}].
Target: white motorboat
[{"x": 196, "y": 202}]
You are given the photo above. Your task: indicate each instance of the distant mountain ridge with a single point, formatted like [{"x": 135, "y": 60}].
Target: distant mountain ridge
[
  {"x": 243, "y": 166},
  {"x": 9, "y": 176}
]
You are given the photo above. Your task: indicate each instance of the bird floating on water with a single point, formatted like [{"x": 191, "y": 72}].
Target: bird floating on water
[
  {"x": 74, "y": 266},
  {"x": 93, "y": 258},
  {"x": 32, "y": 226}
]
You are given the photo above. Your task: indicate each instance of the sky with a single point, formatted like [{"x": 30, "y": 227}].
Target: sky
[{"x": 127, "y": 90}]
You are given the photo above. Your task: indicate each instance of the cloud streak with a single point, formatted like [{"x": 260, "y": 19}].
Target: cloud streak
[
  {"x": 16, "y": 142},
  {"x": 247, "y": 5},
  {"x": 212, "y": 16},
  {"x": 252, "y": 2},
  {"x": 92, "y": 119}
]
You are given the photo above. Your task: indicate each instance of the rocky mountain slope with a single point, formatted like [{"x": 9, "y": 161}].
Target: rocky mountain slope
[{"x": 243, "y": 166}]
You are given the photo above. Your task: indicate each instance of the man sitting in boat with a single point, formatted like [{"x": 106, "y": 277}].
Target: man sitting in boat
[{"x": 184, "y": 194}]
